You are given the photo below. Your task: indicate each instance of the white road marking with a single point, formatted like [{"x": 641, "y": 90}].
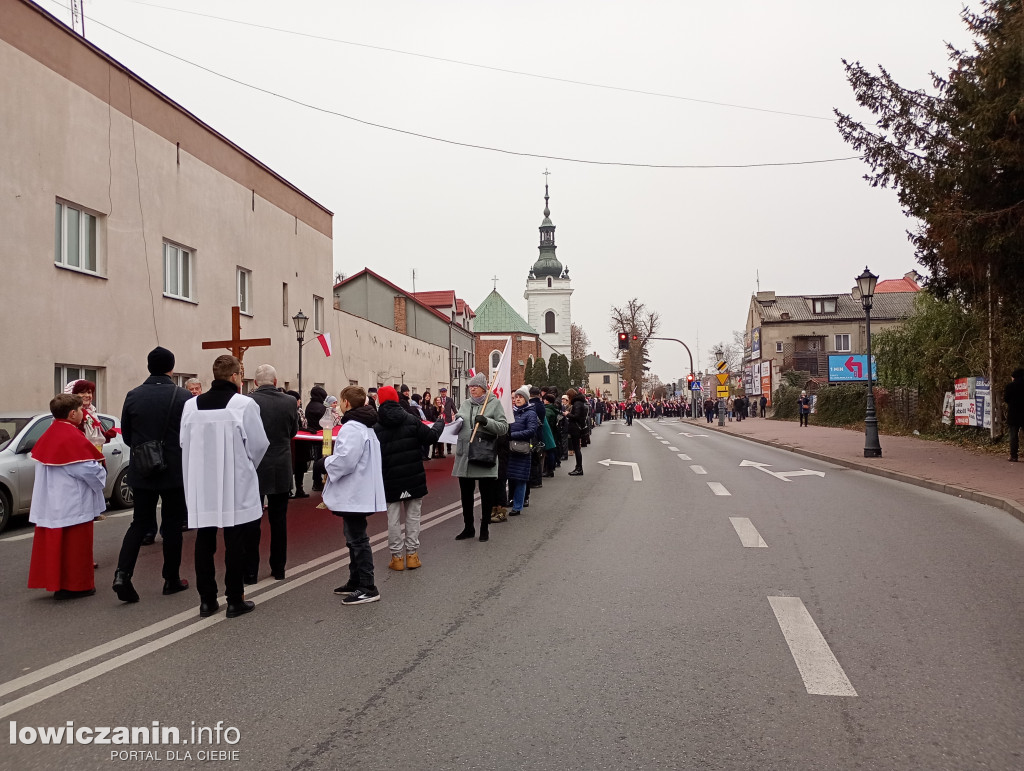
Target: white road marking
[
  {"x": 698, "y": 470},
  {"x": 664, "y": 441},
  {"x": 619, "y": 433},
  {"x": 279, "y": 587},
  {"x": 673, "y": 449},
  {"x": 684, "y": 456},
  {"x": 656, "y": 436},
  {"x": 748, "y": 534},
  {"x": 783, "y": 475},
  {"x": 607, "y": 463},
  {"x": 718, "y": 488},
  {"x": 683, "y": 433},
  {"x": 818, "y": 666}
]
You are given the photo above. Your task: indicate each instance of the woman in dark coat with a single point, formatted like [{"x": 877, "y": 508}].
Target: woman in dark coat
[
  {"x": 315, "y": 410},
  {"x": 577, "y": 420},
  {"x": 523, "y": 428},
  {"x": 402, "y": 439}
]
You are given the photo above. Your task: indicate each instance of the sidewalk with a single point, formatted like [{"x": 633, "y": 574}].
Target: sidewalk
[{"x": 988, "y": 479}]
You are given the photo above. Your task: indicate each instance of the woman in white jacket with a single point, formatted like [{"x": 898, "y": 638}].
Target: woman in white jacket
[{"x": 355, "y": 489}]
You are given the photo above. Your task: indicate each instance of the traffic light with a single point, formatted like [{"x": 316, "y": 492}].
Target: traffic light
[
  {"x": 689, "y": 379},
  {"x": 624, "y": 341}
]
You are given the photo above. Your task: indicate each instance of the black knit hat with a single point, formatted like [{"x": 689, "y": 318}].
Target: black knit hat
[{"x": 160, "y": 361}]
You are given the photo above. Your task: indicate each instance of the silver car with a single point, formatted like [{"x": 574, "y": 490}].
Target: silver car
[{"x": 19, "y": 432}]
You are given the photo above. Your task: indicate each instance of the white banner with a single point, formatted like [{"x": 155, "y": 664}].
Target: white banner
[{"x": 501, "y": 382}]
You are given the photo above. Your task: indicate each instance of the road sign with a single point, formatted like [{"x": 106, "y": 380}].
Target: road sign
[
  {"x": 845, "y": 368},
  {"x": 723, "y": 392},
  {"x": 696, "y": 385},
  {"x": 723, "y": 379},
  {"x": 722, "y": 366}
]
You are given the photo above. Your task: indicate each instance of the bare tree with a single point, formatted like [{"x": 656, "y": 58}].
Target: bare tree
[
  {"x": 730, "y": 353},
  {"x": 579, "y": 342},
  {"x": 635, "y": 319}
]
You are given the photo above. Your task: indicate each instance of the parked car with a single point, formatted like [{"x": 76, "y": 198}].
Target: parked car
[{"x": 19, "y": 432}]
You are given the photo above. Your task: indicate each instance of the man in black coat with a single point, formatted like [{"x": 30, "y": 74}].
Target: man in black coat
[
  {"x": 537, "y": 457},
  {"x": 1013, "y": 395},
  {"x": 152, "y": 412},
  {"x": 404, "y": 398},
  {"x": 402, "y": 439},
  {"x": 281, "y": 422},
  {"x": 315, "y": 410},
  {"x": 447, "y": 412}
]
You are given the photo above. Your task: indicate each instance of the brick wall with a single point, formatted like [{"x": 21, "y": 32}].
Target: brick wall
[
  {"x": 400, "y": 318},
  {"x": 522, "y": 349}
]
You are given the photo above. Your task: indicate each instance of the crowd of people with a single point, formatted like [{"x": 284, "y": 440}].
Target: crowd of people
[{"x": 218, "y": 460}]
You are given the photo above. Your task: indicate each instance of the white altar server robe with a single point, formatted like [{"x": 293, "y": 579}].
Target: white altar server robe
[
  {"x": 355, "y": 479},
  {"x": 220, "y": 450}
]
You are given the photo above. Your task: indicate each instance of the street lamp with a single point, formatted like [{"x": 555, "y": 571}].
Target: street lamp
[
  {"x": 300, "y": 320},
  {"x": 720, "y": 354},
  {"x": 866, "y": 284}
]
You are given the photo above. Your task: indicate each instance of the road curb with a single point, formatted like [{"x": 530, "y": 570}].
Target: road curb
[{"x": 1011, "y": 507}]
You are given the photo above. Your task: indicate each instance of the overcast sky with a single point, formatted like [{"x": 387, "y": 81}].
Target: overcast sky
[{"x": 690, "y": 243}]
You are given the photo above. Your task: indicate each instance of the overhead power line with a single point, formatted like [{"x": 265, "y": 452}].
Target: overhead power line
[
  {"x": 454, "y": 142},
  {"x": 492, "y": 68}
]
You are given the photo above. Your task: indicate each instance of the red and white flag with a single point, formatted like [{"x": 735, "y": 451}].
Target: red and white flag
[
  {"x": 471, "y": 372},
  {"x": 325, "y": 342},
  {"x": 501, "y": 383}
]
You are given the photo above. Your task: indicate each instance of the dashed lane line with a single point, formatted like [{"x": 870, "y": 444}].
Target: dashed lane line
[
  {"x": 749, "y": 537},
  {"x": 673, "y": 449},
  {"x": 684, "y": 456},
  {"x": 698, "y": 470},
  {"x": 718, "y": 488},
  {"x": 818, "y": 666}
]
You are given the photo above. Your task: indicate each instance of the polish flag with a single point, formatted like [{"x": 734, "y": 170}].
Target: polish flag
[
  {"x": 325, "y": 342},
  {"x": 501, "y": 385},
  {"x": 471, "y": 372}
]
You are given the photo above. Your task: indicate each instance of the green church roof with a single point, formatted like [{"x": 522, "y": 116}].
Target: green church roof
[{"x": 494, "y": 314}]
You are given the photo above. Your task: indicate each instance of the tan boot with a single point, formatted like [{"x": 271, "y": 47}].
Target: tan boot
[
  {"x": 397, "y": 563},
  {"x": 499, "y": 514},
  {"x": 412, "y": 561}
]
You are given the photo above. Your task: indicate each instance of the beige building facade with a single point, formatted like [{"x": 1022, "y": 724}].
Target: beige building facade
[{"x": 130, "y": 223}]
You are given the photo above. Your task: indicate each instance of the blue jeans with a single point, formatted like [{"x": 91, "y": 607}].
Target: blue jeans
[{"x": 518, "y": 493}]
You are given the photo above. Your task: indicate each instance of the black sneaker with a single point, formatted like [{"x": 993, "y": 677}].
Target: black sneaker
[
  {"x": 575, "y": 473},
  {"x": 346, "y": 589},
  {"x": 361, "y": 596}
]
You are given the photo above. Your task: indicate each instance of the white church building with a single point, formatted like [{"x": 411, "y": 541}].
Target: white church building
[{"x": 549, "y": 291}]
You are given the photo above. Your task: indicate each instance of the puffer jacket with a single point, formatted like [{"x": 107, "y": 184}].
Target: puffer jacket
[
  {"x": 402, "y": 438},
  {"x": 523, "y": 428},
  {"x": 577, "y": 417},
  {"x": 315, "y": 408}
]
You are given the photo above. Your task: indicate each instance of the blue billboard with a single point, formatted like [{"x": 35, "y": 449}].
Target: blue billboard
[{"x": 846, "y": 368}]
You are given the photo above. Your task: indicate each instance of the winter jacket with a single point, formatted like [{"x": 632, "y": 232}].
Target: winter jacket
[
  {"x": 1013, "y": 395},
  {"x": 523, "y": 428},
  {"x": 538, "y": 406},
  {"x": 144, "y": 418},
  {"x": 280, "y": 421},
  {"x": 577, "y": 417},
  {"x": 496, "y": 425},
  {"x": 315, "y": 408},
  {"x": 549, "y": 427},
  {"x": 402, "y": 438},
  {"x": 354, "y": 481}
]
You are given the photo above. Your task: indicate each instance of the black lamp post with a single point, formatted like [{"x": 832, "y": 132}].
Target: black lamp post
[
  {"x": 300, "y": 320},
  {"x": 866, "y": 284}
]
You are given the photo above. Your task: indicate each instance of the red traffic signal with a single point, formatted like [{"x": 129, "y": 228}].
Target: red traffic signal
[
  {"x": 623, "y": 341},
  {"x": 689, "y": 378}
]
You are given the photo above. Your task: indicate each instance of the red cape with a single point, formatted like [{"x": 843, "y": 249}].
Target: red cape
[{"x": 62, "y": 443}]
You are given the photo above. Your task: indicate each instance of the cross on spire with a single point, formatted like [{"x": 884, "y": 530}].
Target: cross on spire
[{"x": 495, "y": 280}]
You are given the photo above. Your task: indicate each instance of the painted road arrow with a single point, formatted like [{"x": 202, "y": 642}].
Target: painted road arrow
[
  {"x": 636, "y": 468},
  {"x": 618, "y": 433},
  {"x": 683, "y": 433},
  {"x": 783, "y": 475}
]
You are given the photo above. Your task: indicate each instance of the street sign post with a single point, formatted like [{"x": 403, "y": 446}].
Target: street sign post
[{"x": 723, "y": 392}]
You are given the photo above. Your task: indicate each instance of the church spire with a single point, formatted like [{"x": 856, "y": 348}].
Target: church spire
[{"x": 547, "y": 265}]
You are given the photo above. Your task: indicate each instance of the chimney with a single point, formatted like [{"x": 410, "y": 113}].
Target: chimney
[
  {"x": 765, "y": 297},
  {"x": 400, "y": 320}
]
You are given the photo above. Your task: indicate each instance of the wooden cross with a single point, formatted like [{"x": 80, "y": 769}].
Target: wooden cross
[{"x": 236, "y": 344}]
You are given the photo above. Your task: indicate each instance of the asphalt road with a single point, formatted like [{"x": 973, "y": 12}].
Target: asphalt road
[{"x": 616, "y": 624}]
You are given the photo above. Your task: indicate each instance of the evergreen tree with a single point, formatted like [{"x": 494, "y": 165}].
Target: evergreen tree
[
  {"x": 558, "y": 372},
  {"x": 540, "y": 373},
  {"x": 577, "y": 373},
  {"x": 955, "y": 158},
  {"x": 528, "y": 373}
]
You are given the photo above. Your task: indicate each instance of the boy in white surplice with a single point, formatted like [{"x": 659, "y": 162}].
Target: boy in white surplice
[{"x": 222, "y": 443}]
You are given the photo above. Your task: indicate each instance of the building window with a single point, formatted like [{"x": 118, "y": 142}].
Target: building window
[
  {"x": 607, "y": 379},
  {"x": 178, "y": 272},
  {"x": 318, "y": 314},
  {"x": 549, "y": 282},
  {"x": 495, "y": 360},
  {"x": 76, "y": 239},
  {"x": 353, "y": 382},
  {"x": 778, "y": 346},
  {"x": 244, "y": 283},
  {"x": 549, "y": 322},
  {"x": 469, "y": 360},
  {"x": 69, "y": 373},
  {"x": 285, "y": 318},
  {"x": 824, "y": 305},
  {"x": 842, "y": 342},
  {"x": 180, "y": 380}
]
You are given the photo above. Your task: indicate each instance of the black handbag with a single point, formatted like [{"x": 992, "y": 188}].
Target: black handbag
[
  {"x": 519, "y": 446},
  {"x": 148, "y": 458},
  {"x": 482, "y": 450}
]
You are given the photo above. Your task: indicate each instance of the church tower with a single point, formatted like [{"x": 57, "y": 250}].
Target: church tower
[{"x": 548, "y": 290}]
